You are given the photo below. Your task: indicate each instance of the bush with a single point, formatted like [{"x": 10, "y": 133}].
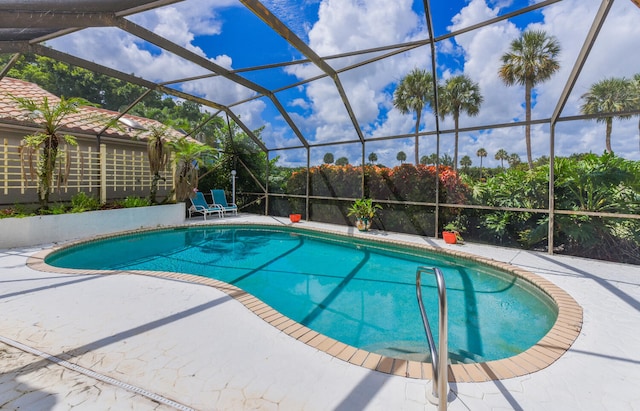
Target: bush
[
  {"x": 402, "y": 183},
  {"x": 588, "y": 183},
  {"x": 134, "y": 202},
  {"x": 17, "y": 210},
  {"x": 82, "y": 202}
]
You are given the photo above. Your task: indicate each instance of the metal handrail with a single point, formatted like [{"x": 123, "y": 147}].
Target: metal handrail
[{"x": 439, "y": 358}]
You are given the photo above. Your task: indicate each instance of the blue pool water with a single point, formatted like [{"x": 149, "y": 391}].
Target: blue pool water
[{"x": 359, "y": 292}]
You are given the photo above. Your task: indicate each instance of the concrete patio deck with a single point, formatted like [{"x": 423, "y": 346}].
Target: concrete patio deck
[{"x": 100, "y": 342}]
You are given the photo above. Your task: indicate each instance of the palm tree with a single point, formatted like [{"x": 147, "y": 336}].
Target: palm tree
[
  {"x": 189, "y": 155},
  {"x": 465, "y": 162},
  {"x": 413, "y": 93},
  {"x": 158, "y": 153},
  {"x": 635, "y": 94},
  {"x": 446, "y": 160},
  {"x": 430, "y": 159},
  {"x": 531, "y": 60},
  {"x": 328, "y": 158},
  {"x": 401, "y": 157},
  {"x": 459, "y": 94},
  {"x": 373, "y": 157},
  {"x": 502, "y": 155},
  {"x": 607, "y": 96},
  {"x": 513, "y": 160},
  {"x": 48, "y": 137},
  {"x": 482, "y": 153}
]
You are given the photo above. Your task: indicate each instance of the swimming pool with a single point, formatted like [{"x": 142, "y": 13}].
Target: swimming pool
[{"x": 359, "y": 292}]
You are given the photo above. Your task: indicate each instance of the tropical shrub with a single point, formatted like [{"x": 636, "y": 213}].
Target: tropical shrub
[
  {"x": 189, "y": 156},
  {"x": 83, "y": 202},
  {"x": 607, "y": 184},
  {"x": 18, "y": 210},
  {"x": 586, "y": 183},
  {"x": 406, "y": 183},
  {"x": 514, "y": 188},
  {"x": 134, "y": 202},
  {"x": 47, "y": 139}
]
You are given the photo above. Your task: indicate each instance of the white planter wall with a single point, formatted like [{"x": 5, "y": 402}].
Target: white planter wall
[{"x": 19, "y": 232}]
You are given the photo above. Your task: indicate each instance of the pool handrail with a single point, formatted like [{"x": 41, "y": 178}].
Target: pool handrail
[{"x": 439, "y": 357}]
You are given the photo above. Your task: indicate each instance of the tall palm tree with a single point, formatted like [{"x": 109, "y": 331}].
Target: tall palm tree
[
  {"x": 513, "y": 160},
  {"x": 48, "y": 137},
  {"x": 635, "y": 93},
  {"x": 607, "y": 96},
  {"x": 413, "y": 94},
  {"x": 502, "y": 155},
  {"x": 430, "y": 159},
  {"x": 482, "y": 153},
  {"x": 401, "y": 157},
  {"x": 465, "y": 162},
  {"x": 531, "y": 60},
  {"x": 459, "y": 94},
  {"x": 373, "y": 157}
]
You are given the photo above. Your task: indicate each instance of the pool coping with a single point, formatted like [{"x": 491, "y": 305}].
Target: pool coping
[{"x": 545, "y": 352}]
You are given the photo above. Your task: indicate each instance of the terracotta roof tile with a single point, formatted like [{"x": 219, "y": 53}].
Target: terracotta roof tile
[{"x": 89, "y": 120}]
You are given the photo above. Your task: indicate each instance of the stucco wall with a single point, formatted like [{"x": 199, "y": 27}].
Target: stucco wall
[{"x": 18, "y": 232}]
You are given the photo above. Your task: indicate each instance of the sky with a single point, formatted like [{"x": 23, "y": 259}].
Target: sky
[{"x": 230, "y": 35}]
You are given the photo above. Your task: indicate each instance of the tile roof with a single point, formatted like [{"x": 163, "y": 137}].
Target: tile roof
[{"x": 88, "y": 120}]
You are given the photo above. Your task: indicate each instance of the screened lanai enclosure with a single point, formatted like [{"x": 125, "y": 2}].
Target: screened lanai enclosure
[{"x": 516, "y": 122}]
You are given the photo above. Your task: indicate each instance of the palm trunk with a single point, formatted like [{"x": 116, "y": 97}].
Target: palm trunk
[
  {"x": 455, "y": 149},
  {"x": 46, "y": 168},
  {"x": 527, "y": 97},
  {"x": 416, "y": 151},
  {"x": 154, "y": 187},
  {"x": 609, "y": 122}
]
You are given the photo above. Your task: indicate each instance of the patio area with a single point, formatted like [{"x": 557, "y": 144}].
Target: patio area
[{"x": 88, "y": 342}]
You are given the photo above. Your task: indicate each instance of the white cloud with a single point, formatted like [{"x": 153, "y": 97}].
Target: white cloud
[
  {"x": 345, "y": 26},
  {"x": 483, "y": 48},
  {"x": 475, "y": 12},
  {"x": 349, "y": 25},
  {"x": 299, "y": 102},
  {"x": 123, "y": 52},
  {"x": 182, "y": 20}
]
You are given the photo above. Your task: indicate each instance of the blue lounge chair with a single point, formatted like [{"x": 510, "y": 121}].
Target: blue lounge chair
[
  {"x": 200, "y": 205},
  {"x": 220, "y": 199}
]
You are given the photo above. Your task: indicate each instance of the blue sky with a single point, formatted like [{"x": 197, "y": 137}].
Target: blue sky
[{"x": 230, "y": 35}]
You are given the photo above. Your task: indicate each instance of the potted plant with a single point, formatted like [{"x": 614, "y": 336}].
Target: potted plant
[
  {"x": 364, "y": 210},
  {"x": 295, "y": 215},
  {"x": 451, "y": 233}
]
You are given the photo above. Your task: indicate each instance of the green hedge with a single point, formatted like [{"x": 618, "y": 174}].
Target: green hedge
[{"x": 402, "y": 183}]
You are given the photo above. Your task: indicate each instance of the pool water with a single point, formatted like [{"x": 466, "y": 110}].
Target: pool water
[{"x": 359, "y": 292}]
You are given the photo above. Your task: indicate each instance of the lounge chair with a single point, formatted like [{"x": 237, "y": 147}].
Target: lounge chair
[
  {"x": 220, "y": 199},
  {"x": 200, "y": 205}
]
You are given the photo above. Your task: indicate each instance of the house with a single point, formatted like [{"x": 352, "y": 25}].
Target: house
[{"x": 109, "y": 162}]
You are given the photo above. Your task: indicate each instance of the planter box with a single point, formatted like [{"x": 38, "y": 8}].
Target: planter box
[{"x": 19, "y": 232}]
